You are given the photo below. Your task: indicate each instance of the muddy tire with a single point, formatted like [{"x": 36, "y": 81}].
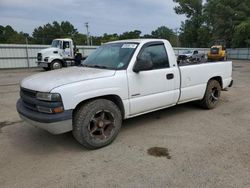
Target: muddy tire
[
  {"x": 212, "y": 95},
  {"x": 97, "y": 123},
  {"x": 55, "y": 65}
]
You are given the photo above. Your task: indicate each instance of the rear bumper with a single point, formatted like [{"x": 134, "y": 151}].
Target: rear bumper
[{"x": 53, "y": 123}]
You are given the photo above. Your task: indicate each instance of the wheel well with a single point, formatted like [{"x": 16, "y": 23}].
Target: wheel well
[
  {"x": 114, "y": 98},
  {"x": 219, "y": 79}
]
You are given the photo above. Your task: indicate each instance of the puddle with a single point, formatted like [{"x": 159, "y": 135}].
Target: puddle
[{"x": 159, "y": 152}]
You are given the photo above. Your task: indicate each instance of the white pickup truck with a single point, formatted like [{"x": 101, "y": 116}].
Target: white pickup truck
[{"x": 119, "y": 80}]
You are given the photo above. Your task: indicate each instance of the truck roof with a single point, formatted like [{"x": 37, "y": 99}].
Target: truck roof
[
  {"x": 216, "y": 46},
  {"x": 139, "y": 40},
  {"x": 63, "y": 39}
]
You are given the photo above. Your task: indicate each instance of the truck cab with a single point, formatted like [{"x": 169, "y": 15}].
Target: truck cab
[{"x": 59, "y": 54}]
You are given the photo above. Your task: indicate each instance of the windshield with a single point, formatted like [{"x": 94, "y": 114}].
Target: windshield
[
  {"x": 114, "y": 56},
  {"x": 56, "y": 44},
  {"x": 215, "y": 50}
]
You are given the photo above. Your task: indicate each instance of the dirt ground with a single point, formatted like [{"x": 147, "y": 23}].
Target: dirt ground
[{"x": 183, "y": 146}]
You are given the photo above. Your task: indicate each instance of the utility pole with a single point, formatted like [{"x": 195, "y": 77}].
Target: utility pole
[{"x": 87, "y": 27}]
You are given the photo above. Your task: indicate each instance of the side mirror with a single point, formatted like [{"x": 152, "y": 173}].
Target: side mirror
[{"x": 142, "y": 65}]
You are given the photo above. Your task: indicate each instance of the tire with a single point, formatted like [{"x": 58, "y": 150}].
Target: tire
[
  {"x": 89, "y": 121},
  {"x": 212, "y": 95},
  {"x": 56, "y": 64}
]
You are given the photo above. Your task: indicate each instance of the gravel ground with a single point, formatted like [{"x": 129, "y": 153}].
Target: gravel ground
[{"x": 183, "y": 146}]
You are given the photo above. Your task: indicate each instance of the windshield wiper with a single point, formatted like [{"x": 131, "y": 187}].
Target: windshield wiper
[{"x": 100, "y": 66}]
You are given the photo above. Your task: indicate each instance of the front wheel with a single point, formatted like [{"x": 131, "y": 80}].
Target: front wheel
[
  {"x": 97, "y": 123},
  {"x": 55, "y": 65},
  {"x": 212, "y": 95}
]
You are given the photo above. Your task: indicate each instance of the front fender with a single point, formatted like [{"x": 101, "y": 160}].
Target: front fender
[
  {"x": 54, "y": 57},
  {"x": 74, "y": 93}
]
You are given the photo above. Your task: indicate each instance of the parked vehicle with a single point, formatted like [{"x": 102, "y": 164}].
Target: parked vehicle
[
  {"x": 191, "y": 56},
  {"x": 188, "y": 53},
  {"x": 217, "y": 52},
  {"x": 120, "y": 80},
  {"x": 62, "y": 53}
]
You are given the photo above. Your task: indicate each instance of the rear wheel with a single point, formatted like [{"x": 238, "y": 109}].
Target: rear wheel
[
  {"x": 212, "y": 95},
  {"x": 97, "y": 123},
  {"x": 55, "y": 65}
]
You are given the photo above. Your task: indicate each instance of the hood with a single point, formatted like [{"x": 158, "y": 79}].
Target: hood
[
  {"x": 48, "y": 51},
  {"x": 51, "y": 49},
  {"x": 47, "y": 81}
]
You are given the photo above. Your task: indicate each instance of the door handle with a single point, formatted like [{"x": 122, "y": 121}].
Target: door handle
[{"x": 170, "y": 76}]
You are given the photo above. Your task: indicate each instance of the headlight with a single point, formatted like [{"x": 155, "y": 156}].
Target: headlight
[{"x": 48, "y": 96}]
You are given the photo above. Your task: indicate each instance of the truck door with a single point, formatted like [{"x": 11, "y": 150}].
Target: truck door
[
  {"x": 67, "y": 50},
  {"x": 156, "y": 88}
]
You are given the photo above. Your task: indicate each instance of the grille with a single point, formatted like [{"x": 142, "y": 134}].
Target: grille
[
  {"x": 29, "y": 100},
  {"x": 28, "y": 92},
  {"x": 28, "y": 97},
  {"x": 39, "y": 57}
]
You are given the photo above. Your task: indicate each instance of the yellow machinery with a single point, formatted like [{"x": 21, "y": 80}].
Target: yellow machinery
[{"x": 217, "y": 52}]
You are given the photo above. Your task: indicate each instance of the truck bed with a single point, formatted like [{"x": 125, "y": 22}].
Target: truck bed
[{"x": 194, "y": 78}]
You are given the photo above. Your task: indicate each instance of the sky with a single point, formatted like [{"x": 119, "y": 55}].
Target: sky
[{"x": 104, "y": 16}]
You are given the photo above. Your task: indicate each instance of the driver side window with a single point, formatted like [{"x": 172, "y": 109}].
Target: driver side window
[
  {"x": 65, "y": 44},
  {"x": 157, "y": 54}
]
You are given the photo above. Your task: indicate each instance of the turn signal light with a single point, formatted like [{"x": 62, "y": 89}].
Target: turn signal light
[{"x": 58, "y": 110}]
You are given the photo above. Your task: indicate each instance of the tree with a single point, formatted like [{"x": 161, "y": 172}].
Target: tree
[
  {"x": 164, "y": 32},
  {"x": 9, "y": 36},
  {"x": 80, "y": 39},
  {"x": 45, "y": 34},
  {"x": 241, "y": 37},
  {"x": 109, "y": 37},
  {"x": 130, "y": 35},
  {"x": 224, "y": 18},
  {"x": 193, "y": 10}
]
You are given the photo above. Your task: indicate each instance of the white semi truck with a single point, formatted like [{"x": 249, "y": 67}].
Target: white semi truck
[
  {"x": 120, "y": 80},
  {"x": 62, "y": 53}
]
